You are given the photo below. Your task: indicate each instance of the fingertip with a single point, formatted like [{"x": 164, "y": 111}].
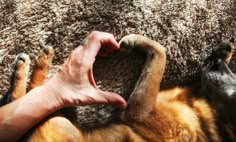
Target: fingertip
[
  {"x": 119, "y": 101},
  {"x": 115, "y": 44},
  {"x": 122, "y": 105}
]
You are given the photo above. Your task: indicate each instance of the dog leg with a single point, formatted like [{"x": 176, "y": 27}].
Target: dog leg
[
  {"x": 56, "y": 127},
  {"x": 232, "y": 44},
  {"x": 41, "y": 68},
  {"x": 224, "y": 51},
  {"x": 144, "y": 96},
  {"x": 20, "y": 76}
]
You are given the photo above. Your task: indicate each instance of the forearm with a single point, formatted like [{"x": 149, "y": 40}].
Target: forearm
[
  {"x": 73, "y": 85},
  {"x": 19, "y": 116}
]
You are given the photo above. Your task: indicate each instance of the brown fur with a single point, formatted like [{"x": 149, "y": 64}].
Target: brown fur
[
  {"x": 177, "y": 114},
  {"x": 20, "y": 77},
  {"x": 41, "y": 68},
  {"x": 53, "y": 130}
]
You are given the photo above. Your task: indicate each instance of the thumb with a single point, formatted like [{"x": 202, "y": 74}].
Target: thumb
[{"x": 113, "y": 99}]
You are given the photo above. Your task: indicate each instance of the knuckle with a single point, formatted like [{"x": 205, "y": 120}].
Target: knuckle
[
  {"x": 101, "y": 36},
  {"x": 95, "y": 33}
]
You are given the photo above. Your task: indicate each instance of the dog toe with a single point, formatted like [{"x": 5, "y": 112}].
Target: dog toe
[
  {"x": 22, "y": 60},
  {"x": 49, "y": 51}
]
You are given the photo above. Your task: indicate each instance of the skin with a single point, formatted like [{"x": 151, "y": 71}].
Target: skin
[{"x": 72, "y": 85}]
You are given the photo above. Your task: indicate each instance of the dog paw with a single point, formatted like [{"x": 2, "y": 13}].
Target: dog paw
[
  {"x": 22, "y": 65},
  {"x": 224, "y": 51},
  {"x": 45, "y": 58},
  {"x": 145, "y": 44},
  {"x": 129, "y": 40}
]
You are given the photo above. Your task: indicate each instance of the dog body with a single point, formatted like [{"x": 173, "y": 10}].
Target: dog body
[
  {"x": 178, "y": 114},
  {"x": 219, "y": 86}
]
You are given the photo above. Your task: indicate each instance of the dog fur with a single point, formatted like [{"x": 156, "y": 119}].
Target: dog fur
[{"x": 200, "y": 112}]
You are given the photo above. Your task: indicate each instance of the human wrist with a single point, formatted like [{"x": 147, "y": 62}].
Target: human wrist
[{"x": 53, "y": 91}]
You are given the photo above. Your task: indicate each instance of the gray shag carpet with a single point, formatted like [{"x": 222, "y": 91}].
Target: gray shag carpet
[{"x": 188, "y": 29}]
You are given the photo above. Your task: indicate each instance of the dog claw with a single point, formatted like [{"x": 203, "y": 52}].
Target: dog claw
[{"x": 48, "y": 50}]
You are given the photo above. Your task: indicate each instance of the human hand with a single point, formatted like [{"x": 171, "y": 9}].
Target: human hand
[{"x": 74, "y": 82}]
